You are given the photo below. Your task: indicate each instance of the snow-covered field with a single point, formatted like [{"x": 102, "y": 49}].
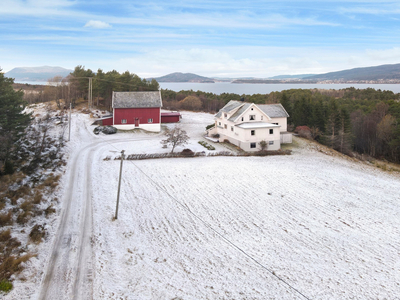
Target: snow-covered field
[{"x": 303, "y": 226}]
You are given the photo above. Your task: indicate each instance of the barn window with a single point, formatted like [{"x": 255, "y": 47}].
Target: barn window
[
  {"x": 253, "y": 132},
  {"x": 271, "y": 131},
  {"x": 252, "y": 145},
  {"x": 123, "y": 121},
  {"x": 149, "y": 120},
  {"x": 271, "y": 142}
]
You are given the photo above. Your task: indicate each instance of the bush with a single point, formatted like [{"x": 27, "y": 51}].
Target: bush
[
  {"x": 304, "y": 132},
  {"x": 187, "y": 152},
  {"x": 12, "y": 265},
  {"x": 37, "y": 233},
  {"x": 6, "y": 219},
  {"x": 5, "y": 286},
  {"x": 49, "y": 210},
  {"x": 5, "y": 235},
  {"x": 210, "y": 126}
]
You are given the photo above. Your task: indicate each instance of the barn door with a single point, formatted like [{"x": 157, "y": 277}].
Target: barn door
[{"x": 136, "y": 122}]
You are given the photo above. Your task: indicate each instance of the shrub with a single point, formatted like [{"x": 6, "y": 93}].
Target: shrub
[
  {"x": 210, "y": 126},
  {"x": 187, "y": 152},
  {"x": 304, "y": 132},
  {"x": 5, "y": 286},
  {"x": 37, "y": 233},
  {"x": 12, "y": 265},
  {"x": 37, "y": 198},
  {"x": 5, "y": 235},
  {"x": 49, "y": 210},
  {"x": 6, "y": 219},
  {"x": 24, "y": 217}
]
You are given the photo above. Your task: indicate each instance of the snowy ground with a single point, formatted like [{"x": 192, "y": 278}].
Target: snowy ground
[{"x": 303, "y": 226}]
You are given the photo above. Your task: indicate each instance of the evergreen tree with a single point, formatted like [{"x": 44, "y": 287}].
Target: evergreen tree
[{"x": 13, "y": 120}]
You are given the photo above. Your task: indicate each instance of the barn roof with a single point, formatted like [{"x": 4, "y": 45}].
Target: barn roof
[{"x": 137, "y": 99}]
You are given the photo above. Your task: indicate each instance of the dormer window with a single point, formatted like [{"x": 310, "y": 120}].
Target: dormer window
[{"x": 252, "y": 117}]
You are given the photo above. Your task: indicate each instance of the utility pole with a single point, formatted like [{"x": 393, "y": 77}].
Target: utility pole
[
  {"x": 119, "y": 183},
  {"x": 69, "y": 122},
  {"x": 90, "y": 92}
]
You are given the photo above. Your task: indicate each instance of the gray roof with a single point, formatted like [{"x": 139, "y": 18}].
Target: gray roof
[
  {"x": 136, "y": 99},
  {"x": 231, "y": 105},
  {"x": 274, "y": 110},
  {"x": 239, "y": 111}
]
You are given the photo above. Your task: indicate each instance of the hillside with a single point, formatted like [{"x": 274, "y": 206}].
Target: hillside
[
  {"x": 37, "y": 73},
  {"x": 183, "y": 77},
  {"x": 314, "y": 219},
  {"x": 383, "y": 72}
]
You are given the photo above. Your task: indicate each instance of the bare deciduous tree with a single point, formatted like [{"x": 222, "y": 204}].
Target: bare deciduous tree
[{"x": 175, "y": 137}]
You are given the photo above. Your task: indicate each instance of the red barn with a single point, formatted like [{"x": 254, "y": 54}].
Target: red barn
[{"x": 137, "y": 110}]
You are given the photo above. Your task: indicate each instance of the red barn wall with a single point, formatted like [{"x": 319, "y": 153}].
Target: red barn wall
[
  {"x": 108, "y": 121},
  {"x": 130, "y": 114}
]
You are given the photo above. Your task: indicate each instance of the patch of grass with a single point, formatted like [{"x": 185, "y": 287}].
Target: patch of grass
[
  {"x": 6, "y": 219},
  {"x": 37, "y": 199},
  {"x": 12, "y": 265},
  {"x": 49, "y": 210},
  {"x": 5, "y": 286},
  {"x": 5, "y": 235},
  {"x": 24, "y": 217}
]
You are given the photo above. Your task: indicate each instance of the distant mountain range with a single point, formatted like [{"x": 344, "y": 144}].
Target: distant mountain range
[
  {"x": 37, "y": 73},
  {"x": 378, "y": 74},
  {"x": 383, "y": 72},
  {"x": 183, "y": 77}
]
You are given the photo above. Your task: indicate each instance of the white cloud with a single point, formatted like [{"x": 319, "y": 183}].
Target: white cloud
[{"x": 97, "y": 24}]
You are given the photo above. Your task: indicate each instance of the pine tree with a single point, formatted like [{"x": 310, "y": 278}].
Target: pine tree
[{"x": 13, "y": 120}]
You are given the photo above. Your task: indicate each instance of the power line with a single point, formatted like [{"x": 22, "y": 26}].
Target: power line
[{"x": 216, "y": 232}]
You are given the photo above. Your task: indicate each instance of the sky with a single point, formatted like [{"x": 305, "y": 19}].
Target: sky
[{"x": 209, "y": 38}]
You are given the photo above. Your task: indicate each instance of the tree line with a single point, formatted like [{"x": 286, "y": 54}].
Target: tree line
[
  {"x": 363, "y": 120},
  {"x": 75, "y": 86}
]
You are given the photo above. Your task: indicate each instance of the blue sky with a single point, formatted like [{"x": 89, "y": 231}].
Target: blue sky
[{"x": 209, "y": 38}]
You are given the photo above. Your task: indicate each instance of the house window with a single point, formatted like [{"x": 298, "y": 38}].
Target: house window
[
  {"x": 252, "y": 108},
  {"x": 219, "y": 123},
  {"x": 252, "y": 117},
  {"x": 275, "y": 123},
  {"x": 225, "y": 126},
  {"x": 253, "y": 132},
  {"x": 225, "y": 115},
  {"x": 271, "y": 142},
  {"x": 242, "y": 118},
  {"x": 123, "y": 121},
  {"x": 149, "y": 120},
  {"x": 252, "y": 145},
  {"x": 262, "y": 118},
  {"x": 231, "y": 128},
  {"x": 271, "y": 131}
]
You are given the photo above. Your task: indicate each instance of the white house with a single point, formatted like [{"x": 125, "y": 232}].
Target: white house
[{"x": 247, "y": 124}]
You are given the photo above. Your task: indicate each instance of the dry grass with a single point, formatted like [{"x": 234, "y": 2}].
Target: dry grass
[
  {"x": 6, "y": 219},
  {"x": 37, "y": 234},
  {"x": 12, "y": 265}
]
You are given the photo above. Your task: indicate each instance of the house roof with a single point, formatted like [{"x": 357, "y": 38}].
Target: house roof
[
  {"x": 274, "y": 110},
  {"x": 136, "y": 99},
  {"x": 231, "y": 105},
  {"x": 271, "y": 110}
]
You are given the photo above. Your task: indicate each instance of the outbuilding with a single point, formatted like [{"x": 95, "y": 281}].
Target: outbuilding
[
  {"x": 170, "y": 117},
  {"x": 133, "y": 110}
]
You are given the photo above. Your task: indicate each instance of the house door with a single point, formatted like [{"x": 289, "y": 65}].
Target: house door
[{"x": 136, "y": 122}]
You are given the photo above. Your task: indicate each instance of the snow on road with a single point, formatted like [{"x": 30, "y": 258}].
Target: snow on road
[{"x": 276, "y": 227}]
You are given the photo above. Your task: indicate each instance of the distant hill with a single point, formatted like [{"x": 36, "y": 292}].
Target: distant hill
[
  {"x": 37, "y": 73},
  {"x": 183, "y": 77},
  {"x": 384, "y": 72},
  {"x": 300, "y": 76}
]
